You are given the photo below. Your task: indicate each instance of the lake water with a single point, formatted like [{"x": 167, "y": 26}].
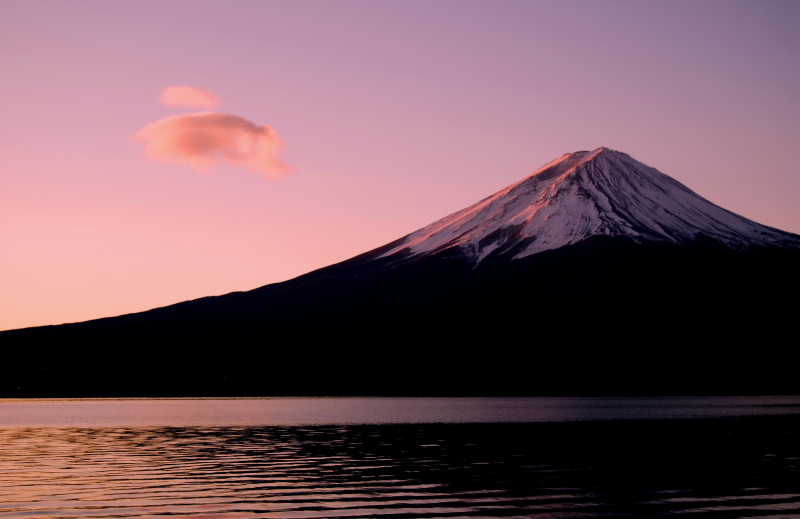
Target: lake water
[{"x": 401, "y": 457}]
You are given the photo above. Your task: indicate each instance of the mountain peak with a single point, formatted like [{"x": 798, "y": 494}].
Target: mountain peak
[
  {"x": 570, "y": 162},
  {"x": 602, "y": 192}
]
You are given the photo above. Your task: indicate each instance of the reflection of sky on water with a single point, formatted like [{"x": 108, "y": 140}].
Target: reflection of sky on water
[{"x": 307, "y": 411}]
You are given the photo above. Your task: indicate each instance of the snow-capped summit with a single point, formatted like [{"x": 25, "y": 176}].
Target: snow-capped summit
[{"x": 584, "y": 194}]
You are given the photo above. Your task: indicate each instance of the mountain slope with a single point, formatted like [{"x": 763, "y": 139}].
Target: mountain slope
[{"x": 595, "y": 275}]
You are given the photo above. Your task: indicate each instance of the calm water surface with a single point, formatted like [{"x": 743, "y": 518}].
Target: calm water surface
[{"x": 401, "y": 458}]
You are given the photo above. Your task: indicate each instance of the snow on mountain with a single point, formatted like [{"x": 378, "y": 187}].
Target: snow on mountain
[{"x": 584, "y": 194}]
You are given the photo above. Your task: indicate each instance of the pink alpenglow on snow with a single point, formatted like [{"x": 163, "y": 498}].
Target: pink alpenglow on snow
[
  {"x": 201, "y": 139},
  {"x": 193, "y": 97}
]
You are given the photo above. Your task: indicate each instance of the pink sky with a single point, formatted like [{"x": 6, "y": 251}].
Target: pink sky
[{"x": 392, "y": 114}]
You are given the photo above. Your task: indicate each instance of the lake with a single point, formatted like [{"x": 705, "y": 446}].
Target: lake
[{"x": 300, "y": 458}]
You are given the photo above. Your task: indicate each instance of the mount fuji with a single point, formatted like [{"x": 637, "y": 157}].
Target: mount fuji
[
  {"x": 596, "y": 274},
  {"x": 585, "y": 194}
]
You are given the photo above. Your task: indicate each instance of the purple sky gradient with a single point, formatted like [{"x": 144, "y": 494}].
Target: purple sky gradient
[{"x": 393, "y": 114}]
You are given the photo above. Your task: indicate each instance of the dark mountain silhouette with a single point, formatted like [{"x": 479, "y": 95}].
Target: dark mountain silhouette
[{"x": 594, "y": 275}]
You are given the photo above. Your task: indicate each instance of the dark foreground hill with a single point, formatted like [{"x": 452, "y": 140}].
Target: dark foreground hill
[{"x": 595, "y": 275}]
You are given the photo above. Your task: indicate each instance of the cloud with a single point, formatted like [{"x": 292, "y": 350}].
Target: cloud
[
  {"x": 189, "y": 96},
  {"x": 202, "y": 139}
]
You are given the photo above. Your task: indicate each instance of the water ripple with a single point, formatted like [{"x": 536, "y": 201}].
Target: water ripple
[{"x": 727, "y": 469}]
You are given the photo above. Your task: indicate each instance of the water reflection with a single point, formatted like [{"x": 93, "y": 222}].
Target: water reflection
[
  {"x": 320, "y": 411},
  {"x": 709, "y": 468}
]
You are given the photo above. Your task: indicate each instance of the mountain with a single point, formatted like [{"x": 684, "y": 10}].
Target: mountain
[
  {"x": 586, "y": 194},
  {"x": 596, "y": 274}
]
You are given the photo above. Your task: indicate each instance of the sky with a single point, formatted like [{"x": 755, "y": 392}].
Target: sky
[{"x": 154, "y": 152}]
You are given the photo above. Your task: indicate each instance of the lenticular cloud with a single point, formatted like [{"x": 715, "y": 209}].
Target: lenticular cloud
[
  {"x": 189, "y": 96},
  {"x": 202, "y": 139}
]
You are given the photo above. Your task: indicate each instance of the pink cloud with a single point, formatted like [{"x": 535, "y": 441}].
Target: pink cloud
[
  {"x": 189, "y": 96},
  {"x": 201, "y": 139}
]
